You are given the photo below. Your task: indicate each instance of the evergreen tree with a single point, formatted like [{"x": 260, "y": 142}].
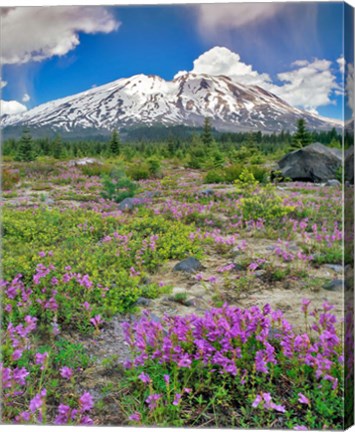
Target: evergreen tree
[
  {"x": 206, "y": 136},
  {"x": 302, "y": 137},
  {"x": 115, "y": 143},
  {"x": 25, "y": 149},
  {"x": 57, "y": 147}
]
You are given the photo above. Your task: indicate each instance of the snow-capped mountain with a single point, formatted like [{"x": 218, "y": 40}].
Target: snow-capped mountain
[{"x": 150, "y": 100}]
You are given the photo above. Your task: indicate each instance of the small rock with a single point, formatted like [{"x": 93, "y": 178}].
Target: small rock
[
  {"x": 260, "y": 273},
  {"x": 334, "y": 267},
  {"x": 84, "y": 161},
  {"x": 333, "y": 182},
  {"x": 189, "y": 265},
  {"x": 129, "y": 203},
  {"x": 49, "y": 201},
  {"x": 207, "y": 192},
  {"x": 189, "y": 303},
  {"x": 334, "y": 285},
  {"x": 142, "y": 301}
]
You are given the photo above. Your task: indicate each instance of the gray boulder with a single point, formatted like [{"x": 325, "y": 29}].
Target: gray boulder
[
  {"x": 333, "y": 182},
  {"x": 130, "y": 203},
  {"x": 349, "y": 165},
  {"x": 315, "y": 163},
  {"x": 188, "y": 265},
  {"x": 334, "y": 285}
]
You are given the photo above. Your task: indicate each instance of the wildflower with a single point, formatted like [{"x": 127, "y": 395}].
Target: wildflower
[
  {"x": 135, "y": 417},
  {"x": 86, "y": 420},
  {"x": 177, "y": 399},
  {"x": 86, "y": 402},
  {"x": 152, "y": 400},
  {"x": 167, "y": 379},
  {"x": 303, "y": 399},
  {"x": 145, "y": 378},
  {"x": 66, "y": 372},
  {"x": 40, "y": 358},
  {"x": 298, "y": 427},
  {"x": 257, "y": 401},
  {"x": 96, "y": 320},
  {"x": 37, "y": 401}
]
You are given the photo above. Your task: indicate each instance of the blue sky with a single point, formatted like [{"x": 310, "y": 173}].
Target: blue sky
[{"x": 116, "y": 42}]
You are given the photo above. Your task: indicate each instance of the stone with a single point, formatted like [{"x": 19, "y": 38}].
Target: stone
[
  {"x": 349, "y": 165},
  {"x": 333, "y": 182},
  {"x": 130, "y": 203},
  {"x": 334, "y": 285},
  {"x": 188, "y": 265},
  {"x": 207, "y": 192},
  {"x": 336, "y": 268},
  {"x": 314, "y": 163},
  {"x": 84, "y": 161},
  {"x": 142, "y": 301}
]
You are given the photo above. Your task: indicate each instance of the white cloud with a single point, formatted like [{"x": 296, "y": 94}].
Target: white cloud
[
  {"x": 307, "y": 85},
  {"x": 11, "y": 107},
  {"x": 2, "y": 84},
  {"x": 341, "y": 63},
  {"x": 26, "y": 98},
  {"x": 222, "y": 61},
  {"x": 213, "y": 17},
  {"x": 37, "y": 33}
]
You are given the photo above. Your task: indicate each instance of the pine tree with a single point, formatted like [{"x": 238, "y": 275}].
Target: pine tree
[
  {"x": 57, "y": 148},
  {"x": 115, "y": 143},
  {"x": 206, "y": 136},
  {"x": 25, "y": 149},
  {"x": 302, "y": 137}
]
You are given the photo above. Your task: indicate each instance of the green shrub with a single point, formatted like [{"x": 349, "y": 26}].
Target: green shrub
[
  {"x": 96, "y": 169},
  {"x": 9, "y": 178},
  {"x": 214, "y": 176},
  {"x": 233, "y": 172},
  {"x": 117, "y": 187}
]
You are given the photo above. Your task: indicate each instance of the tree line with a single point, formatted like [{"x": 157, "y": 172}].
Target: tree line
[{"x": 27, "y": 148}]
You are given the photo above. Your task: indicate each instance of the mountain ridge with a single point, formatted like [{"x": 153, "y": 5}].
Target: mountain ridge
[{"x": 150, "y": 100}]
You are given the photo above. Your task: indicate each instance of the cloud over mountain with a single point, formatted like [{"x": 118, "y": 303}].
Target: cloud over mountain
[{"x": 306, "y": 85}]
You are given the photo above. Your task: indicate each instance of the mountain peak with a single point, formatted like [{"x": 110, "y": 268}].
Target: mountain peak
[{"x": 149, "y": 99}]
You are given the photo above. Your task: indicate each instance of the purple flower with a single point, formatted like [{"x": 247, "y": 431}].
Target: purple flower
[
  {"x": 135, "y": 417},
  {"x": 167, "y": 379},
  {"x": 177, "y": 399},
  {"x": 66, "y": 372},
  {"x": 152, "y": 400},
  {"x": 257, "y": 401},
  {"x": 37, "y": 401},
  {"x": 40, "y": 358},
  {"x": 145, "y": 378},
  {"x": 96, "y": 320},
  {"x": 86, "y": 402},
  {"x": 302, "y": 399},
  {"x": 298, "y": 427}
]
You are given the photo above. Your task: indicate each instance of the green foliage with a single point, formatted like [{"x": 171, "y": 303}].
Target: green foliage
[
  {"x": 206, "y": 136},
  {"x": 302, "y": 137},
  {"x": 96, "y": 169},
  {"x": 25, "y": 150},
  {"x": 9, "y": 178},
  {"x": 115, "y": 143},
  {"x": 117, "y": 187},
  {"x": 214, "y": 176},
  {"x": 264, "y": 204}
]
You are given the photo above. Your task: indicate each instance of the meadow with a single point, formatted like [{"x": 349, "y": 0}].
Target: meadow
[{"x": 100, "y": 327}]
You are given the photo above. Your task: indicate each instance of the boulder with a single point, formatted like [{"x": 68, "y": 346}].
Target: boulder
[
  {"x": 84, "y": 161},
  {"x": 130, "y": 203},
  {"x": 315, "y": 163},
  {"x": 333, "y": 182},
  {"x": 335, "y": 285},
  {"x": 188, "y": 265},
  {"x": 349, "y": 165}
]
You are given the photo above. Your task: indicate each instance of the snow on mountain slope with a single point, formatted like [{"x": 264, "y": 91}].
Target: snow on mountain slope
[{"x": 150, "y": 100}]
